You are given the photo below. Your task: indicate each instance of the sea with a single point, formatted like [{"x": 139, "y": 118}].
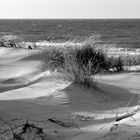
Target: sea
[{"x": 125, "y": 33}]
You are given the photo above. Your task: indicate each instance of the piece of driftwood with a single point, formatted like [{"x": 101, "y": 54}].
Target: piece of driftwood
[
  {"x": 129, "y": 114},
  {"x": 60, "y": 122},
  {"x": 125, "y": 116},
  {"x": 64, "y": 124}
]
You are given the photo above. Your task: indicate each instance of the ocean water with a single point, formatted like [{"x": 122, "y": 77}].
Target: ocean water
[{"x": 125, "y": 33}]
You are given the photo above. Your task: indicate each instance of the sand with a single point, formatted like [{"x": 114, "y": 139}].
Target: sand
[{"x": 64, "y": 110}]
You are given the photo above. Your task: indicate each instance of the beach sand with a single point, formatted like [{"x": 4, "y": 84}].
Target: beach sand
[{"x": 65, "y": 110}]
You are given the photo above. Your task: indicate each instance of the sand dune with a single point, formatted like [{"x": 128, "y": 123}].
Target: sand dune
[{"x": 27, "y": 92}]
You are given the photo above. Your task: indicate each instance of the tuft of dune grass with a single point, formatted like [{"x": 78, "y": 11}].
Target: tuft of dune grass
[
  {"x": 74, "y": 69},
  {"x": 78, "y": 63},
  {"x": 53, "y": 58},
  {"x": 8, "y": 41},
  {"x": 82, "y": 62},
  {"x": 115, "y": 64}
]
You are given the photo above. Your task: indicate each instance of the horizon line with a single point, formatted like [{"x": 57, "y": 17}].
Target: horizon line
[{"x": 63, "y": 18}]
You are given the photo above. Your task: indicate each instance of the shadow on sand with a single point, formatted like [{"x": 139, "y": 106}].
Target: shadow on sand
[{"x": 106, "y": 97}]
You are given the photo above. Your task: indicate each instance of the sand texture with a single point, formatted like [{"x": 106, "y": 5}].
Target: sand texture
[{"x": 64, "y": 110}]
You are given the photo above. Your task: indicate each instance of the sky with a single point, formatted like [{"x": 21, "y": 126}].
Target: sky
[{"x": 69, "y": 9}]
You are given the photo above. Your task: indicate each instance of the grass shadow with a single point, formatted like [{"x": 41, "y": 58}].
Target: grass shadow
[{"x": 106, "y": 97}]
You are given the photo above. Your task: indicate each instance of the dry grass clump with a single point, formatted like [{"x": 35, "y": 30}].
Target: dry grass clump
[
  {"x": 8, "y": 41},
  {"x": 131, "y": 60},
  {"x": 75, "y": 71},
  {"x": 115, "y": 64},
  {"x": 53, "y": 58},
  {"x": 79, "y": 63},
  {"x": 11, "y": 41}
]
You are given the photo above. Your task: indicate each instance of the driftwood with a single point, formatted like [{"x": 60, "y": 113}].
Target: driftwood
[
  {"x": 129, "y": 114},
  {"x": 64, "y": 124},
  {"x": 125, "y": 116},
  {"x": 60, "y": 122}
]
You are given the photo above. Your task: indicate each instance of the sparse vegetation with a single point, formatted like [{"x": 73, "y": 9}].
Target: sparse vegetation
[
  {"x": 79, "y": 62},
  {"x": 8, "y": 41},
  {"x": 115, "y": 64},
  {"x": 53, "y": 58}
]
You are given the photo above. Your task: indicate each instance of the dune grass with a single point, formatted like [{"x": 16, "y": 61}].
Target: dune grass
[
  {"x": 82, "y": 63},
  {"x": 76, "y": 70},
  {"x": 8, "y": 41},
  {"x": 79, "y": 63},
  {"x": 53, "y": 58}
]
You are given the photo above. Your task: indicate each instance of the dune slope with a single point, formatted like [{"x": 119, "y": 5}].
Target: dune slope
[{"x": 63, "y": 109}]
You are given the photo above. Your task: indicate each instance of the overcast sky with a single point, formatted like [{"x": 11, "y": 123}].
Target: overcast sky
[{"x": 69, "y": 8}]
